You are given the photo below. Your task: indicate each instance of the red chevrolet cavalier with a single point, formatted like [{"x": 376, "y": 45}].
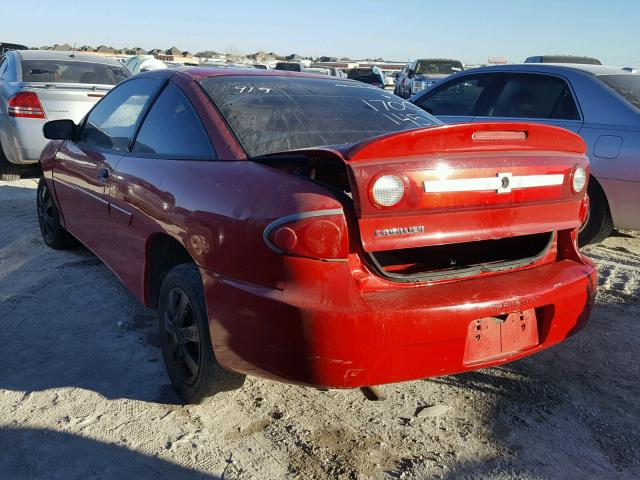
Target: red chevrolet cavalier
[{"x": 320, "y": 231}]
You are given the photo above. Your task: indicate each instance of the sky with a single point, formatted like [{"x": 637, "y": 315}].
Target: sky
[{"x": 470, "y": 31}]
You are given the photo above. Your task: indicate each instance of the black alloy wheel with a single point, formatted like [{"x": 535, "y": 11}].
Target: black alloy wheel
[
  {"x": 186, "y": 341},
  {"x": 182, "y": 336},
  {"x": 53, "y": 233}
]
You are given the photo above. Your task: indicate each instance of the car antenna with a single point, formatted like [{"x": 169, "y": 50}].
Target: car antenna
[{"x": 73, "y": 52}]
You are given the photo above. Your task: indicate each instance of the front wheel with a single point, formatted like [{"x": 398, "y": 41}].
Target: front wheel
[
  {"x": 599, "y": 223},
  {"x": 53, "y": 233},
  {"x": 185, "y": 339}
]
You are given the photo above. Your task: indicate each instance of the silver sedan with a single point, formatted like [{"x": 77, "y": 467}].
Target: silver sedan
[
  {"x": 38, "y": 86},
  {"x": 602, "y": 104}
]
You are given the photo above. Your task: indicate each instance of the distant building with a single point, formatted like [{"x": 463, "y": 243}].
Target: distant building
[
  {"x": 65, "y": 47},
  {"x": 105, "y": 49}
]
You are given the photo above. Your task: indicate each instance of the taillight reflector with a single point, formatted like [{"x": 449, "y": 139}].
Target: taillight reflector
[
  {"x": 25, "y": 104},
  {"x": 319, "y": 235},
  {"x": 499, "y": 136}
]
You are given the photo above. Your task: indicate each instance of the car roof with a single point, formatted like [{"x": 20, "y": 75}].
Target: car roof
[
  {"x": 553, "y": 68},
  {"x": 67, "y": 55}
]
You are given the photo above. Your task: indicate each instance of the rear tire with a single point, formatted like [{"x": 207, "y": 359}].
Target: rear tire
[
  {"x": 186, "y": 341},
  {"x": 53, "y": 233},
  {"x": 599, "y": 224},
  {"x": 8, "y": 170}
]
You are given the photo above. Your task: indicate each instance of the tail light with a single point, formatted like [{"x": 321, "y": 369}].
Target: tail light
[
  {"x": 319, "y": 235},
  {"x": 27, "y": 105}
]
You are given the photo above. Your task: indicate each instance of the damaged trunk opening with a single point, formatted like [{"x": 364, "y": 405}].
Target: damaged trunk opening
[{"x": 440, "y": 262}]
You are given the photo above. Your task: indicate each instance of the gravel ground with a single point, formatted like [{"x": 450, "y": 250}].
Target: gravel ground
[{"x": 83, "y": 392}]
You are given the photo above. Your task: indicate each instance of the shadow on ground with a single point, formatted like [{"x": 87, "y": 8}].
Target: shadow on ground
[{"x": 40, "y": 453}]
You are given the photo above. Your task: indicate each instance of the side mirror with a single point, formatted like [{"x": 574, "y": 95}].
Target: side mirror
[
  {"x": 59, "y": 130},
  {"x": 410, "y": 74}
]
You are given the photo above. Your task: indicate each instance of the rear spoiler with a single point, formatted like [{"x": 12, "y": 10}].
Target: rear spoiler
[{"x": 468, "y": 138}]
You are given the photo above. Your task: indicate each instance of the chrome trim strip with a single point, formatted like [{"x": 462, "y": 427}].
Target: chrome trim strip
[
  {"x": 492, "y": 183},
  {"x": 298, "y": 216}
]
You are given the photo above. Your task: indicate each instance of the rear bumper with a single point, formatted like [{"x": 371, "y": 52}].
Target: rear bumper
[
  {"x": 331, "y": 334},
  {"x": 22, "y": 139}
]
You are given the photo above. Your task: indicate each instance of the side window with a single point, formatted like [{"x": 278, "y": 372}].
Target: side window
[
  {"x": 112, "y": 122},
  {"x": 456, "y": 98},
  {"x": 533, "y": 96},
  {"x": 172, "y": 128}
]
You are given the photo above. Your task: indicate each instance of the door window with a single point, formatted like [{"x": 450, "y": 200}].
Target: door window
[
  {"x": 173, "y": 129},
  {"x": 533, "y": 96},
  {"x": 112, "y": 122},
  {"x": 3, "y": 67},
  {"x": 458, "y": 97}
]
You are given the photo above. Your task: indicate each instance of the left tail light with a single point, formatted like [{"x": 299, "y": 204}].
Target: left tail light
[
  {"x": 320, "y": 235},
  {"x": 26, "y": 105}
]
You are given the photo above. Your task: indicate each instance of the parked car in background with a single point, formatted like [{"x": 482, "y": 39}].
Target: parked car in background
[
  {"x": 300, "y": 207},
  {"x": 36, "y": 86},
  {"x": 401, "y": 79},
  {"x": 289, "y": 66},
  {"x": 602, "y": 104},
  {"x": 5, "y": 47},
  {"x": 563, "y": 59},
  {"x": 318, "y": 71},
  {"x": 425, "y": 73},
  {"x": 333, "y": 71},
  {"x": 144, "y": 63},
  {"x": 371, "y": 75},
  {"x": 389, "y": 77}
]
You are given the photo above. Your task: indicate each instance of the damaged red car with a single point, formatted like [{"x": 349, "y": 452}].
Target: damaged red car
[{"x": 320, "y": 231}]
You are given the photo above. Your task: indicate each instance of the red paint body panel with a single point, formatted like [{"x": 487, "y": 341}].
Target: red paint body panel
[{"x": 338, "y": 323}]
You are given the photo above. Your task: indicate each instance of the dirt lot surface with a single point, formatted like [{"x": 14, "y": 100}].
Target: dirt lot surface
[{"x": 83, "y": 392}]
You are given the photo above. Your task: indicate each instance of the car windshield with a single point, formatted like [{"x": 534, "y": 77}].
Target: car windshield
[
  {"x": 626, "y": 85},
  {"x": 270, "y": 114},
  {"x": 63, "y": 71},
  {"x": 445, "y": 67}
]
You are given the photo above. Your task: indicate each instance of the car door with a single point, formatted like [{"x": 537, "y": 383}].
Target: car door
[
  {"x": 456, "y": 100},
  {"x": 84, "y": 166},
  {"x": 532, "y": 97},
  {"x": 151, "y": 177}
]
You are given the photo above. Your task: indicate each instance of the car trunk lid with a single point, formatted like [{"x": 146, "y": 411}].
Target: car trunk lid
[
  {"x": 467, "y": 183},
  {"x": 66, "y": 100}
]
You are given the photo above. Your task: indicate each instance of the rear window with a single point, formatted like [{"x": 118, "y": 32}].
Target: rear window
[
  {"x": 366, "y": 76},
  {"x": 63, "y": 71},
  {"x": 276, "y": 114},
  {"x": 289, "y": 67},
  {"x": 626, "y": 85},
  {"x": 438, "y": 67}
]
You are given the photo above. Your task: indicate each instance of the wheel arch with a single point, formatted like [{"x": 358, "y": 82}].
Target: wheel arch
[{"x": 163, "y": 252}]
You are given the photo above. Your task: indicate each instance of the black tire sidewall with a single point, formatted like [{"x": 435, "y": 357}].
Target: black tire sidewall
[
  {"x": 61, "y": 239},
  {"x": 187, "y": 277},
  {"x": 599, "y": 224}
]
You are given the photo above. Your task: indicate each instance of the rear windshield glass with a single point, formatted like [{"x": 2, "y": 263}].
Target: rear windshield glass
[
  {"x": 626, "y": 85},
  {"x": 62, "y": 71},
  {"x": 444, "y": 67},
  {"x": 276, "y": 114},
  {"x": 366, "y": 76}
]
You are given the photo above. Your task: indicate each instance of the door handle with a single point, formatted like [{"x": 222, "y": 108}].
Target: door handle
[{"x": 102, "y": 174}]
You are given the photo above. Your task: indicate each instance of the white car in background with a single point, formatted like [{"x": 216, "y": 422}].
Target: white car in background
[{"x": 38, "y": 86}]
